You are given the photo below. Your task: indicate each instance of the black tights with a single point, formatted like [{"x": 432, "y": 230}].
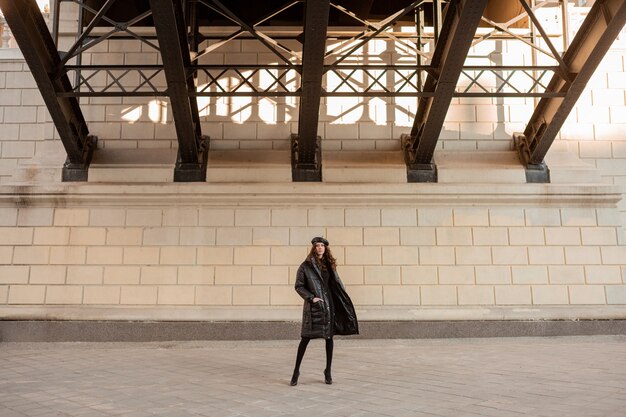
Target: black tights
[{"x": 304, "y": 342}]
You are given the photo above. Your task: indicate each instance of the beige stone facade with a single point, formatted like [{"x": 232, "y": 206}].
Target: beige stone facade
[{"x": 480, "y": 244}]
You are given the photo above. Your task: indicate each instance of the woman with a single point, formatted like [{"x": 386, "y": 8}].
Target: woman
[{"x": 327, "y": 309}]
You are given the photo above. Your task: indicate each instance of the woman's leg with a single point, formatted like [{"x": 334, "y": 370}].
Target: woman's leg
[
  {"x": 304, "y": 342},
  {"x": 329, "y": 360}
]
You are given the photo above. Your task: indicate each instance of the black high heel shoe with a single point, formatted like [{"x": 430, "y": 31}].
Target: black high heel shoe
[
  {"x": 327, "y": 378},
  {"x": 294, "y": 378}
]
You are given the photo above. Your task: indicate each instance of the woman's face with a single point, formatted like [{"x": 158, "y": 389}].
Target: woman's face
[{"x": 320, "y": 249}]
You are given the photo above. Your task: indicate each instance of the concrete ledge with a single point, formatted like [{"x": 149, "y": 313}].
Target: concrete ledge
[{"x": 124, "y": 331}]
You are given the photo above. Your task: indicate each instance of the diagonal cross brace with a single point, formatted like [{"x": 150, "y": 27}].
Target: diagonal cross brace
[
  {"x": 306, "y": 152},
  {"x": 172, "y": 35},
  {"x": 594, "y": 38},
  {"x": 32, "y": 35},
  {"x": 461, "y": 20}
]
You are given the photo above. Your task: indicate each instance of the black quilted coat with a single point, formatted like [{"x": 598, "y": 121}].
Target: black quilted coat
[{"x": 316, "y": 317}]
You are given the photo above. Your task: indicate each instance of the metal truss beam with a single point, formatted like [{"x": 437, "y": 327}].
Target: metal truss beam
[
  {"x": 306, "y": 160},
  {"x": 34, "y": 39},
  {"x": 594, "y": 38},
  {"x": 172, "y": 35},
  {"x": 460, "y": 23}
]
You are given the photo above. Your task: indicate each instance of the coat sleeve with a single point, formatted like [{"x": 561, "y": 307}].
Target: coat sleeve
[{"x": 300, "y": 286}]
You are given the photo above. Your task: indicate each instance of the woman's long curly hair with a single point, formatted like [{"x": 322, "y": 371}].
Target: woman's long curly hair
[{"x": 327, "y": 259}]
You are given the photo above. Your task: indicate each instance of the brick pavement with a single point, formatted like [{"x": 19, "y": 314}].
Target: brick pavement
[{"x": 539, "y": 377}]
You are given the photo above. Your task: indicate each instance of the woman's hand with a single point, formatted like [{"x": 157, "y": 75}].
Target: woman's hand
[{"x": 316, "y": 300}]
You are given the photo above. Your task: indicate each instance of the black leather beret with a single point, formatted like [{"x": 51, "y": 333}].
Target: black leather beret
[{"x": 319, "y": 239}]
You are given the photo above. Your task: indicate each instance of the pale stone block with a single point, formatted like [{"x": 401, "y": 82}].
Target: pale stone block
[
  {"x": 6, "y": 255},
  {"x": 252, "y": 255},
  {"x": 31, "y": 216},
  {"x": 284, "y": 295},
  {"x": 87, "y": 236},
  {"x": 530, "y": 274},
  {"x": 509, "y": 255},
  {"x": 159, "y": 236},
  {"x": 215, "y": 256},
  {"x": 176, "y": 295},
  {"x": 601, "y": 274},
  {"x": 19, "y": 235},
  {"x": 475, "y": 295},
  {"x": 47, "y": 274},
  {"x": 27, "y": 294},
  {"x": 399, "y": 217},
  {"x": 546, "y": 255},
  {"x": 127, "y": 236},
  {"x": 237, "y": 236},
  {"x": 217, "y": 217},
  {"x": 615, "y": 294},
  {"x": 29, "y": 255},
  {"x": 270, "y": 236},
  {"x": 608, "y": 217},
  {"x": 43, "y": 235},
  {"x": 562, "y": 236},
  {"x": 69, "y": 255},
  {"x": 543, "y": 217},
  {"x": 356, "y": 255},
  {"x": 422, "y": 236},
  {"x": 566, "y": 274},
  {"x": 11, "y": 274},
  {"x": 433, "y": 255},
  {"x": 180, "y": 217},
  {"x": 587, "y": 294},
  {"x": 362, "y": 217},
  {"x": 104, "y": 255},
  {"x": 143, "y": 217},
  {"x": 595, "y": 149},
  {"x": 493, "y": 275},
  {"x": 611, "y": 255},
  {"x": 526, "y": 236},
  {"x": 252, "y": 217},
  {"x": 419, "y": 274},
  {"x": 550, "y": 294},
  {"x": 513, "y": 295},
  {"x": 350, "y": 275},
  {"x": 251, "y": 295},
  {"x": 107, "y": 217},
  {"x": 8, "y": 216},
  {"x": 214, "y": 295},
  {"x": 121, "y": 275},
  {"x": 4, "y": 291},
  {"x": 400, "y": 255},
  {"x": 344, "y": 236},
  {"x": 382, "y": 275},
  {"x": 102, "y": 294},
  {"x": 270, "y": 275},
  {"x": 442, "y": 295},
  {"x": 366, "y": 295},
  {"x": 473, "y": 255},
  {"x": 490, "y": 236},
  {"x": 303, "y": 235},
  {"x": 177, "y": 255},
  {"x": 583, "y": 255},
  {"x": 435, "y": 217},
  {"x": 197, "y": 236},
  {"x": 401, "y": 295},
  {"x": 201, "y": 275},
  {"x": 506, "y": 217},
  {"x": 288, "y": 255},
  {"x": 64, "y": 294},
  {"x": 141, "y": 256},
  {"x": 326, "y": 217},
  {"x": 138, "y": 294},
  {"x": 18, "y": 149},
  {"x": 233, "y": 275},
  {"x": 71, "y": 217},
  {"x": 381, "y": 236},
  {"x": 289, "y": 217},
  {"x": 159, "y": 275},
  {"x": 599, "y": 236},
  {"x": 456, "y": 275},
  {"x": 454, "y": 236},
  {"x": 578, "y": 216},
  {"x": 84, "y": 274},
  {"x": 471, "y": 217}
]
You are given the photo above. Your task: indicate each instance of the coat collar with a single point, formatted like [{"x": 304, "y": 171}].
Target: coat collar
[{"x": 315, "y": 267}]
